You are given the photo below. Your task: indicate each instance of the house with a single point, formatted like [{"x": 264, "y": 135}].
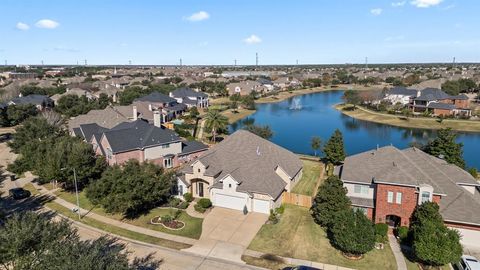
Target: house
[
  {"x": 141, "y": 141},
  {"x": 439, "y": 103},
  {"x": 286, "y": 82},
  {"x": 243, "y": 88},
  {"x": 107, "y": 118},
  {"x": 387, "y": 184},
  {"x": 266, "y": 83},
  {"x": 400, "y": 95},
  {"x": 190, "y": 98},
  {"x": 74, "y": 91},
  {"x": 243, "y": 172},
  {"x": 144, "y": 107},
  {"x": 42, "y": 102}
]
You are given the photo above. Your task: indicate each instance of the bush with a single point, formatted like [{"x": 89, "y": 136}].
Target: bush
[
  {"x": 352, "y": 233},
  {"x": 174, "y": 202},
  {"x": 167, "y": 218},
  {"x": 273, "y": 218},
  {"x": 381, "y": 229},
  {"x": 402, "y": 233},
  {"x": 188, "y": 197},
  {"x": 199, "y": 209},
  {"x": 204, "y": 203},
  {"x": 183, "y": 205},
  {"x": 280, "y": 209}
]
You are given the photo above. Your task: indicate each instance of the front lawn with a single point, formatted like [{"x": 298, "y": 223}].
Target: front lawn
[
  {"x": 298, "y": 236},
  {"x": 311, "y": 173},
  {"x": 192, "y": 229}
]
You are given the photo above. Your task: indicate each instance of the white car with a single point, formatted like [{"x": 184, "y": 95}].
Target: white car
[{"x": 468, "y": 263}]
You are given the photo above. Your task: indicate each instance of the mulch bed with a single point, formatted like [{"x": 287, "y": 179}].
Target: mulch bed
[{"x": 172, "y": 225}]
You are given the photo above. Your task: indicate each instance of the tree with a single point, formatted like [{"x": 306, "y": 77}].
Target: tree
[
  {"x": 433, "y": 243},
  {"x": 33, "y": 241},
  {"x": 352, "y": 97},
  {"x": 316, "y": 144},
  {"x": 131, "y": 189},
  {"x": 445, "y": 146},
  {"x": 334, "y": 149},
  {"x": 193, "y": 113},
  {"x": 215, "y": 121},
  {"x": 262, "y": 131},
  {"x": 352, "y": 232},
  {"x": 330, "y": 200},
  {"x": 33, "y": 131},
  {"x": 16, "y": 114}
]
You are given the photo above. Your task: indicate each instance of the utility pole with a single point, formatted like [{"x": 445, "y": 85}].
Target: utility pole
[
  {"x": 256, "y": 59},
  {"x": 235, "y": 61},
  {"x": 76, "y": 192},
  {"x": 6, "y": 63},
  {"x": 297, "y": 62},
  {"x": 129, "y": 62},
  {"x": 366, "y": 62},
  {"x": 181, "y": 62},
  {"x": 85, "y": 61}
]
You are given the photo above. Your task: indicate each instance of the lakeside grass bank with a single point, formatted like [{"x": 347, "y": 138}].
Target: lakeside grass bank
[{"x": 408, "y": 122}]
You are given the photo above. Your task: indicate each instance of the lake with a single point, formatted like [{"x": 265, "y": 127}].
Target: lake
[{"x": 296, "y": 120}]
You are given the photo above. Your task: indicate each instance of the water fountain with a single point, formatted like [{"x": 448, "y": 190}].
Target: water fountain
[{"x": 296, "y": 104}]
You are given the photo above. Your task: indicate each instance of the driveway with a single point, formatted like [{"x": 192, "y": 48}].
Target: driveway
[{"x": 226, "y": 233}]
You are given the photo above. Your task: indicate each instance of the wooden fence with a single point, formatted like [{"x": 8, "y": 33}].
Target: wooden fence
[{"x": 297, "y": 199}]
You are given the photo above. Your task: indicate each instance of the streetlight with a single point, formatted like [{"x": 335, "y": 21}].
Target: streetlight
[{"x": 76, "y": 190}]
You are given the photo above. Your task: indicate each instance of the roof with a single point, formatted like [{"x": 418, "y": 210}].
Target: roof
[
  {"x": 156, "y": 97},
  {"x": 443, "y": 106},
  {"x": 413, "y": 167},
  {"x": 190, "y": 147},
  {"x": 401, "y": 91},
  {"x": 187, "y": 92},
  {"x": 363, "y": 202},
  {"x": 138, "y": 135},
  {"x": 431, "y": 94},
  {"x": 108, "y": 118},
  {"x": 86, "y": 131},
  {"x": 32, "y": 99},
  {"x": 251, "y": 161}
]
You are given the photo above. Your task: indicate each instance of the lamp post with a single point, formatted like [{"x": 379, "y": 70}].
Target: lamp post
[{"x": 76, "y": 191}]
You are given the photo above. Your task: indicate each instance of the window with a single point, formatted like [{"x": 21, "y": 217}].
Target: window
[
  {"x": 361, "y": 209},
  {"x": 229, "y": 185},
  {"x": 425, "y": 196},
  {"x": 109, "y": 153},
  {"x": 180, "y": 190},
  {"x": 198, "y": 170},
  {"x": 390, "y": 197},
  {"x": 165, "y": 145},
  {"x": 167, "y": 163},
  {"x": 399, "y": 198},
  {"x": 360, "y": 189}
]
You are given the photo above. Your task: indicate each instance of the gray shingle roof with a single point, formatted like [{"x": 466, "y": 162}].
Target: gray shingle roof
[
  {"x": 402, "y": 91},
  {"x": 33, "y": 99},
  {"x": 431, "y": 94},
  {"x": 86, "y": 131},
  {"x": 443, "y": 106},
  {"x": 252, "y": 161},
  {"x": 413, "y": 167},
  {"x": 192, "y": 147},
  {"x": 138, "y": 135},
  {"x": 187, "y": 92},
  {"x": 156, "y": 97},
  {"x": 364, "y": 202}
]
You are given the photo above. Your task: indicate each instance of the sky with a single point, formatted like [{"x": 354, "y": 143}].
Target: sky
[{"x": 211, "y": 32}]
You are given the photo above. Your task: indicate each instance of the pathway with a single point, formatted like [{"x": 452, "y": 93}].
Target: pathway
[
  {"x": 120, "y": 224},
  {"x": 200, "y": 131},
  {"x": 397, "y": 252}
]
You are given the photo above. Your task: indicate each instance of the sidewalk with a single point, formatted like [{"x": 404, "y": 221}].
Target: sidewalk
[
  {"x": 123, "y": 225},
  {"x": 397, "y": 252},
  {"x": 293, "y": 261}
]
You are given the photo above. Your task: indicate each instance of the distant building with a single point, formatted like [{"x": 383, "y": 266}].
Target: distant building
[
  {"x": 190, "y": 98},
  {"x": 42, "y": 102},
  {"x": 144, "y": 107},
  {"x": 439, "y": 103}
]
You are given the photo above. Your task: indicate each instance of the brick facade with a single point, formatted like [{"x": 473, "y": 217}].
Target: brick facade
[{"x": 403, "y": 210}]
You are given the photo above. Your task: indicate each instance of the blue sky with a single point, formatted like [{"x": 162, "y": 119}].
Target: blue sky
[{"x": 219, "y": 31}]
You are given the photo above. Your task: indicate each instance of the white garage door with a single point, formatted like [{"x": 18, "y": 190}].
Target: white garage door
[
  {"x": 229, "y": 201},
  {"x": 470, "y": 238},
  {"x": 261, "y": 206}
]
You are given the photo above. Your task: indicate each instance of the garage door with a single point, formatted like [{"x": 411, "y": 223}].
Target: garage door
[
  {"x": 470, "y": 238},
  {"x": 229, "y": 201},
  {"x": 261, "y": 206}
]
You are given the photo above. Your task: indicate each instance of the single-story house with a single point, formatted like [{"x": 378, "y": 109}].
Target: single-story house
[{"x": 244, "y": 172}]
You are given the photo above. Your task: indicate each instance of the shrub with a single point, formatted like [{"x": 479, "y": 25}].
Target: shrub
[
  {"x": 199, "y": 209},
  {"x": 174, "y": 202},
  {"x": 352, "y": 233},
  {"x": 183, "y": 205},
  {"x": 167, "y": 218},
  {"x": 402, "y": 234},
  {"x": 177, "y": 214},
  {"x": 273, "y": 218},
  {"x": 381, "y": 229},
  {"x": 188, "y": 197},
  {"x": 280, "y": 209},
  {"x": 204, "y": 203}
]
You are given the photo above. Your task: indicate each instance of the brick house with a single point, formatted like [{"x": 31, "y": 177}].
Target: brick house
[
  {"x": 387, "y": 184},
  {"x": 440, "y": 103},
  {"x": 141, "y": 141}
]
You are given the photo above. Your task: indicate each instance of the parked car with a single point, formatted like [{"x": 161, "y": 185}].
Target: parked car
[
  {"x": 468, "y": 263},
  {"x": 19, "y": 193},
  {"x": 300, "y": 267}
]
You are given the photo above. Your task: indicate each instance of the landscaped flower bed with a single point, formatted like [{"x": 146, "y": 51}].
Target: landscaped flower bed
[{"x": 171, "y": 224}]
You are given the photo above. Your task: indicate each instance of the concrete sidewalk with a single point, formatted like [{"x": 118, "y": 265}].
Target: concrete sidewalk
[
  {"x": 113, "y": 222},
  {"x": 397, "y": 252}
]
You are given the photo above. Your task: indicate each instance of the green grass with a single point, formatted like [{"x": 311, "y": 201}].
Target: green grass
[
  {"x": 192, "y": 229},
  {"x": 32, "y": 189},
  {"x": 297, "y": 236},
  {"x": 116, "y": 230},
  {"x": 308, "y": 182},
  {"x": 264, "y": 263}
]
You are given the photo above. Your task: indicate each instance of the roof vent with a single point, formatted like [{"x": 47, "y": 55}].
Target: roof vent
[
  {"x": 441, "y": 156},
  {"x": 394, "y": 164},
  {"x": 258, "y": 150}
]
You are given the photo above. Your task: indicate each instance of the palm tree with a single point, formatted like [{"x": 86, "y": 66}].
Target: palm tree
[
  {"x": 215, "y": 121},
  {"x": 316, "y": 144}
]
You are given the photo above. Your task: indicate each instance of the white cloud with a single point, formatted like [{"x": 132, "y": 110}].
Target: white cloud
[
  {"x": 376, "y": 11},
  {"x": 22, "y": 26},
  {"x": 199, "y": 16},
  {"x": 399, "y": 4},
  {"x": 425, "y": 3},
  {"x": 253, "y": 39},
  {"x": 46, "y": 23}
]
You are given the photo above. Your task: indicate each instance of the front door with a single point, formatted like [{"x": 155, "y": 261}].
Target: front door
[{"x": 200, "y": 189}]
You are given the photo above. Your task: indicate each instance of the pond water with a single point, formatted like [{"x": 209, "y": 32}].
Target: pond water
[{"x": 296, "y": 120}]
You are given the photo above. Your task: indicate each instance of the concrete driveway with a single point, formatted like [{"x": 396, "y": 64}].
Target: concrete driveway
[{"x": 226, "y": 233}]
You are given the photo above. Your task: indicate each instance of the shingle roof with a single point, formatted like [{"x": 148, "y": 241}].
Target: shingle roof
[
  {"x": 431, "y": 94},
  {"x": 365, "y": 202},
  {"x": 33, "y": 99},
  {"x": 192, "y": 147},
  {"x": 439, "y": 105},
  {"x": 108, "y": 118},
  {"x": 402, "y": 91},
  {"x": 252, "y": 161},
  {"x": 413, "y": 167},
  {"x": 86, "y": 131},
  {"x": 156, "y": 97},
  {"x": 187, "y": 92},
  {"x": 138, "y": 135}
]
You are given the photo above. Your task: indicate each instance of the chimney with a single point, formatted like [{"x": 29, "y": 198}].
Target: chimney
[
  {"x": 150, "y": 107},
  {"x": 135, "y": 115},
  {"x": 156, "y": 119}
]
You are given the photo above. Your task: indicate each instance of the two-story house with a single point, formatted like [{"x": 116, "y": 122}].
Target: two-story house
[
  {"x": 387, "y": 184},
  {"x": 440, "y": 103},
  {"x": 141, "y": 141},
  {"x": 144, "y": 107},
  {"x": 400, "y": 95},
  {"x": 243, "y": 172},
  {"x": 190, "y": 98}
]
